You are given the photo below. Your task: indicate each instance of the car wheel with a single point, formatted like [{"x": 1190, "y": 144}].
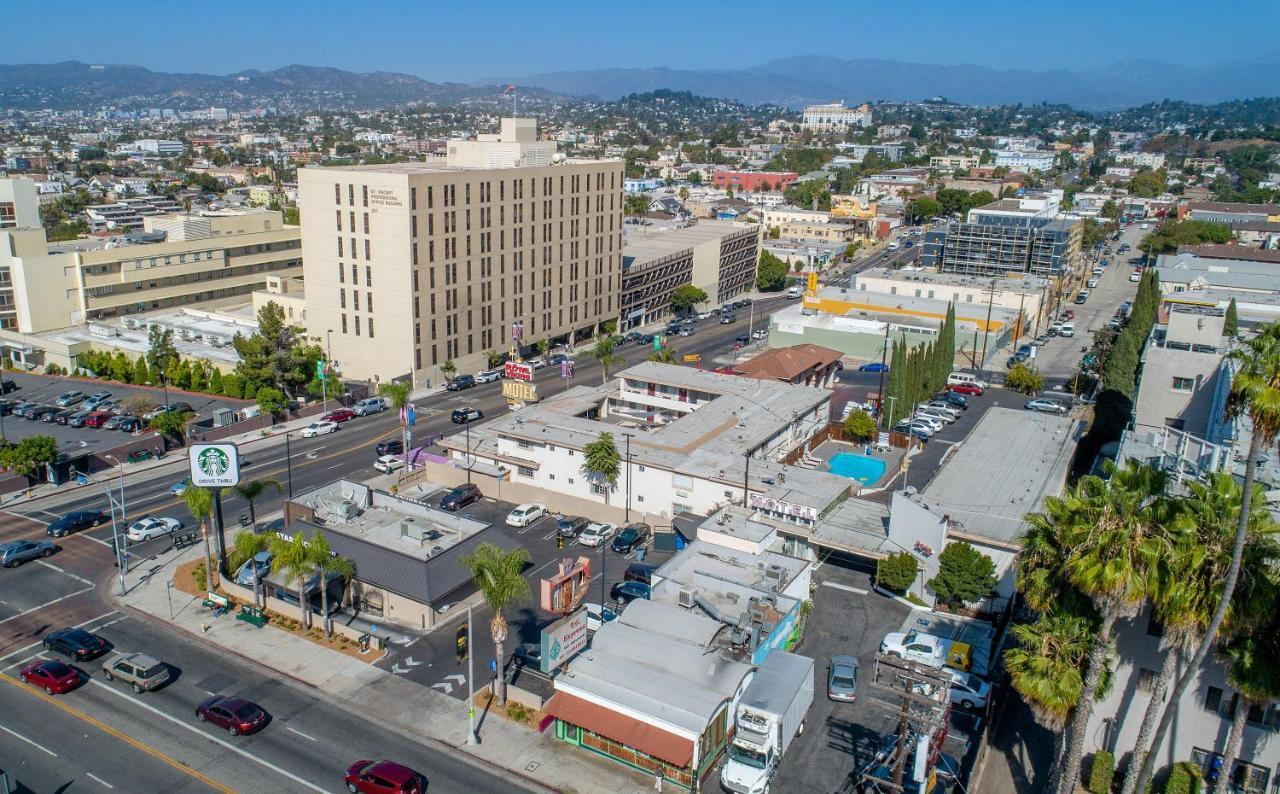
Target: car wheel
[
  {"x": 894, "y": 654},
  {"x": 97, "y": 522},
  {"x": 967, "y": 703},
  {"x": 233, "y": 730},
  {"x": 46, "y": 552},
  {"x": 352, "y": 788},
  {"x": 200, "y": 716},
  {"x": 137, "y": 689},
  {"x": 14, "y": 564},
  {"x": 48, "y": 690},
  {"x": 24, "y": 678},
  {"x": 107, "y": 675}
]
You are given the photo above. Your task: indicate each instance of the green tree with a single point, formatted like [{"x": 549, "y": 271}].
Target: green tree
[
  {"x": 499, "y": 576},
  {"x": 859, "y": 426},
  {"x": 1147, "y": 184},
  {"x": 160, "y": 348},
  {"x": 964, "y": 574},
  {"x": 1231, "y": 324},
  {"x": 273, "y": 356},
  {"x": 897, "y": 572},
  {"x": 604, "y": 352},
  {"x": 636, "y": 204},
  {"x": 685, "y": 297},
  {"x": 141, "y": 375},
  {"x": 30, "y": 455},
  {"x": 449, "y": 369},
  {"x": 327, "y": 564},
  {"x": 602, "y": 463},
  {"x": 543, "y": 346},
  {"x": 1024, "y": 379},
  {"x": 252, "y": 490},
  {"x": 397, "y": 394},
  {"x": 292, "y": 559},
  {"x": 771, "y": 274},
  {"x": 216, "y": 385},
  {"x": 271, "y": 400},
  {"x": 922, "y": 209},
  {"x": 121, "y": 368},
  {"x": 493, "y": 359},
  {"x": 199, "y": 502},
  {"x": 1111, "y": 210},
  {"x": 248, "y": 544},
  {"x": 663, "y": 355},
  {"x": 233, "y": 386},
  {"x": 172, "y": 425}
]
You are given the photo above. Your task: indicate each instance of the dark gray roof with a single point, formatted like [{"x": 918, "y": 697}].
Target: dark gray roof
[{"x": 426, "y": 581}]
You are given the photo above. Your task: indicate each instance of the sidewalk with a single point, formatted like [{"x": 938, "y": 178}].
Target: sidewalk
[{"x": 434, "y": 718}]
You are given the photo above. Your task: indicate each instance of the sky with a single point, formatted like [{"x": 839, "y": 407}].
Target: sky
[{"x": 464, "y": 41}]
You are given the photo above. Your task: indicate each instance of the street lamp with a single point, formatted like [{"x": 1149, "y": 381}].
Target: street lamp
[
  {"x": 117, "y": 537},
  {"x": 324, "y": 373}
]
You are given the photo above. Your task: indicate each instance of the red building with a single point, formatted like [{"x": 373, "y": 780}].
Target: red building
[{"x": 751, "y": 181}]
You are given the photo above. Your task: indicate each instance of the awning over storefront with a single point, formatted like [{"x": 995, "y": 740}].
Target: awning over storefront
[{"x": 660, "y": 744}]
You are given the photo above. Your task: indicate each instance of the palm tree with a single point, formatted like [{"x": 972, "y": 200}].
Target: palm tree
[
  {"x": 1106, "y": 529},
  {"x": 1255, "y": 393},
  {"x": 248, "y": 545},
  {"x": 494, "y": 359},
  {"x": 604, "y": 352},
  {"x": 663, "y": 355},
  {"x": 602, "y": 463},
  {"x": 498, "y": 574},
  {"x": 449, "y": 369},
  {"x": 398, "y": 395},
  {"x": 327, "y": 564},
  {"x": 252, "y": 490},
  {"x": 199, "y": 503},
  {"x": 292, "y": 558}
]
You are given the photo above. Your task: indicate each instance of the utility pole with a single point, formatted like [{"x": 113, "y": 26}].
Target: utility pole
[
  {"x": 921, "y": 696},
  {"x": 471, "y": 684},
  {"x": 884, "y": 354},
  {"x": 986, "y": 332}
]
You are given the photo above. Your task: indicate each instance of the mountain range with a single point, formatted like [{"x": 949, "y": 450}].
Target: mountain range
[{"x": 807, "y": 79}]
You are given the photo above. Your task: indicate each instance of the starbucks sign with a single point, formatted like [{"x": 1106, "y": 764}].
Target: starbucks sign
[{"x": 215, "y": 465}]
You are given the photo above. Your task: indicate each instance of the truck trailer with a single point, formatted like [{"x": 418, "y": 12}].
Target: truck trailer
[{"x": 770, "y": 715}]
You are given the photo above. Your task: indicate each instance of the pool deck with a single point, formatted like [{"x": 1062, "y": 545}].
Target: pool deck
[{"x": 892, "y": 459}]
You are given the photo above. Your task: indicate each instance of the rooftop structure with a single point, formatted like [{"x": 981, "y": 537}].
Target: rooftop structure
[
  {"x": 718, "y": 257},
  {"x": 805, "y": 364}
]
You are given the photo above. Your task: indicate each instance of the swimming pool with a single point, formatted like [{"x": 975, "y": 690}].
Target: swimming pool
[{"x": 867, "y": 471}]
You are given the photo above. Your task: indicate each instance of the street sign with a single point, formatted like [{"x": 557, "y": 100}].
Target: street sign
[
  {"x": 657, "y": 342},
  {"x": 320, "y": 369},
  {"x": 215, "y": 465},
  {"x": 518, "y": 370},
  {"x": 518, "y": 391}
]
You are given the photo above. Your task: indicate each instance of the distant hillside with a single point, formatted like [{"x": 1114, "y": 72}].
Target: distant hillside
[
  {"x": 812, "y": 78},
  {"x": 72, "y": 85}
]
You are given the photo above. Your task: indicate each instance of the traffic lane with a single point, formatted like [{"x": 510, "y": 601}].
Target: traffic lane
[{"x": 46, "y": 748}]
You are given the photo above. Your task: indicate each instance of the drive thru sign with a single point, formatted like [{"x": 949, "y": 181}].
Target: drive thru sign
[{"x": 215, "y": 465}]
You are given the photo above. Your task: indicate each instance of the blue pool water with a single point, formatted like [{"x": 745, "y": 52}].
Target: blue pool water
[{"x": 867, "y": 471}]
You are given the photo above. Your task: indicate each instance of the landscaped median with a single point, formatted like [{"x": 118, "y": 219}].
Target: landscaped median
[{"x": 189, "y": 576}]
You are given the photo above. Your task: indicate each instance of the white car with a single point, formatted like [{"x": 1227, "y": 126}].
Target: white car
[
  {"x": 370, "y": 405},
  {"x": 388, "y": 464},
  {"x": 932, "y": 413},
  {"x": 1135, "y": 276},
  {"x": 596, "y": 533},
  {"x": 537, "y": 363},
  {"x": 1046, "y": 406},
  {"x": 967, "y": 690},
  {"x": 319, "y": 429},
  {"x": 934, "y": 423},
  {"x": 916, "y": 647},
  {"x": 488, "y": 375},
  {"x": 148, "y": 528},
  {"x": 940, "y": 408},
  {"x": 525, "y": 514}
]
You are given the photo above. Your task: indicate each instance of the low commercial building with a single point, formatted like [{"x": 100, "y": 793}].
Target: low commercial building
[
  {"x": 802, "y": 365},
  {"x": 751, "y": 181},
  {"x": 127, "y": 213},
  {"x": 718, "y": 257},
  {"x": 847, "y": 231},
  {"x": 1035, "y": 298},
  {"x": 1228, "y": 211}
]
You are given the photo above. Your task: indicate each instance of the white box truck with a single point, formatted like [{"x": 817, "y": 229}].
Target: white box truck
[{"x": 770, "y": 714}]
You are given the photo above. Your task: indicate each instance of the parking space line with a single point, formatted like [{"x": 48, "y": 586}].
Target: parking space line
[
  {"x": 46, "y": 604},
  {"x": 100, "y": 780},
  {"x": 36, "y": 745},
  {"x": 845, "y": 587},
  {"x": 65, "y": 572},
  {"x": 291, "y": 729}
]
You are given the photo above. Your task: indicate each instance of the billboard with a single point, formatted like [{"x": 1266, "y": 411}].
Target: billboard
[
  {"x": 562, "y": 639},
  {"x": 518, "y": 370},
  {"x": 215, "y": 465}
]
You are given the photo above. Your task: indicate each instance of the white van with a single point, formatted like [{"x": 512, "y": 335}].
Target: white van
[
  {"x": 965, "y": 379},
  {"x": 793, "y": 292},
  {"x": 1067, "y": 329}
]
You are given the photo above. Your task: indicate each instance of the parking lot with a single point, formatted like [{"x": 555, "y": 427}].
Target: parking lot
[{"x": 45, "y": 390}]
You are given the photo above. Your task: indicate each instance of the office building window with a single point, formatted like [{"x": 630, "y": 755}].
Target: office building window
[
  {"x": 355, "y": 301},
  {"x": 337, "y": 194},
  {"x": 364, "y": 195},
  {"x": 413, "y": 198},
  {"x": 351, "y": 195},
  {"x": 368, "y": 276},
  {"x": 344, "y": 323},
  {"x": 366, "y": 251},
  {"x": 339, "y": 214},
  {"x": 370, "y": 327},
  {"x": 356, "y": 320},
  {"x": 342, "y": 273},
  {"x": 342, "y": 299},
  {"x": 366, "y": 223},
  {"x": 368, "y": 303},
  {"x": 339, "y": 246}
]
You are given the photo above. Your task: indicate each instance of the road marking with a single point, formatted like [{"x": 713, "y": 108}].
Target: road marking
[
  {"x": 300, "y": 733},
  {"x": 845, "y": 587},
  {"x": 65, "y": 572},
  {"x": 100, "y": 780},
  {"x": 124, "y": 737},
  {"x": 46, "y": 604},
  {"x": 26, "y": 648},
  {"x": 29, "y": 518},
  {"x": 214, "y": 739},
  {"x": 28, "y": 741}
]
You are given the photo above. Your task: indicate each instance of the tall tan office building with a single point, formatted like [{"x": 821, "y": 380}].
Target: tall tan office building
[{"x": 410, "y": 265}]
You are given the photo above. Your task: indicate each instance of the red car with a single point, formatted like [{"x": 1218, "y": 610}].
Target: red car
[
  {"x": 53, "y": 676},
  {"x": 965, "y": 388},
  {"x": 383, "y": 777},
  {"x": 97, "y": 419},
  {"x": 235, "y": 714},
  {"x": 339, "y": 415}
]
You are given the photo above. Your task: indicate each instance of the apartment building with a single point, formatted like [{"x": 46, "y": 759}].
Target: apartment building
[
  {"x": 410, "y": 265},
  {"x": 751, "y": 181},
  {"x": 955, "y": 162},
  {"x": 718, "y": 257},
  {"x": 1020, "y": 160},
  {"x": 1006, "y": 237},
  {"x": 19, "y": 204},
  {"x": 834, "y": 116},
  {"x": 127, "y": 214}
]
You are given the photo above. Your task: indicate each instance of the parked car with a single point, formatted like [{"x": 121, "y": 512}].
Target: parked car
[
  {"x": 97, "y": 419},
  {"x": 1016, "y": 359},
  {"x": 916, "y": 647},
  {"x": 96, "y": 399},
  {"x": 235, "y": 714},
  {"x": 971, "y": 389},
  {"x": 742, "y": 339},
  {"x": 968, "y": 690},
  {"x": 630, "y": 538},
  {"x": 388, "y": 464},
  {"x": 598, "y": 615},
  {"x": 70, "y": 398},
  {"x": 113, "y": 423},
  {"x": 644, "y": 339},
  {"x": 726, "y": 319},
  {"x": 626, "y": 592},
  {"x": 1091, "y": 283},
  {"x": 1045, "y": 405},
  {"x": 339, "y": 415},
  {"x": 60, "y": 417},
  {"x": 75, "y": 521},
  {"x": 941, "y": 407},
  {"x": 460, "y": 497},
  {"x": 389, "y": 446},
  {"x": 75, "y": 643},
  {"x": 917, "y": 429},
  {"x": 1067, "y": 330},
  {"x": 461, "y": 416},
  {"x": 569, "y": 526},
  {"x": 842, "y": 678},
  {"x": 126, "y": 423},
  {"x": 16, "y": 552},
  {"x": 953, "y": 399},
  {"x": 53, "y": 676},
  {"x": 488, "y": 375},
  {"x": 639, "y": 572},
  {"x": 369, "y": 405},
  {"x": 537, "y": 362},
  {"x": 180, "y": 487},
  {"x": 21, "y": 408},
  {"x": 874, "y": 366},
  {"x": 78, "y": 418},
  {"x": 461, "y": 382},
  {"x": 1083, "y": 296},
  {"x": 525, "y": 514},
  {"x": 686, "y": 331},
  {"x": 319, "y": 429},
  {"x": 383, "y": 777},
  {"x": 558, "y": 358},
  {"x": 7, "y": 386},
  {"x": 148, "y": 528},
  {"x": 143, "y": 673},
  {"x": 596, "y": 533},
  {"x": 40, "y": 412}
]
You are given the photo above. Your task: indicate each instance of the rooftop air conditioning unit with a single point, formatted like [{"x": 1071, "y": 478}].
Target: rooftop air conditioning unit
[
  {"x": 410, "y": 528},
  {"x": 686, "y": 597}
]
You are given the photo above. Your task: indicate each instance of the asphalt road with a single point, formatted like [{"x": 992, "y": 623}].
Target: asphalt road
[{"x": 102, "y": 736}]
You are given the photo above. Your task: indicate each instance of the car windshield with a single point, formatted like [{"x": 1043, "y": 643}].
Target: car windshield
[
  {"x": 750, "y": 758},
  {"x": 843, "y": 681},
  {"x": 628, "y": 535}
]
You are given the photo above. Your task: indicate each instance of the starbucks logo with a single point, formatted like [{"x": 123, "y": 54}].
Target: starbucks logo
[{"x": 213, "y": 462}]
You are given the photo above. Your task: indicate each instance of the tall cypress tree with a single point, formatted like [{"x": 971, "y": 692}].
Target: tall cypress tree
[{"x": 1231, "y": 324}]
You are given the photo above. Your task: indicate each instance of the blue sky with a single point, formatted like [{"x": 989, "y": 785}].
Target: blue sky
[{"x": 468, "y": 40}]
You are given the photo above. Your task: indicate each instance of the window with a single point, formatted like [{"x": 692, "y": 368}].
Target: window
[
  {"x": 371, "y": 326},
  {"x": 597, "y": 488},
  {"x": 368, "y": 276},
  {"x": 364, "y": 196},
  {"x": 1213, "y": 699},
  {"x": 1184, "y": 384},
  {"x": 524, "y": 471},
  {"x": 344, "y": 323}
]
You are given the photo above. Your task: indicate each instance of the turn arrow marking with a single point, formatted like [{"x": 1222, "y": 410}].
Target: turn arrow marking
[
  {"x": 445, "y": 685},
  {"x": 409, "y": 661}
]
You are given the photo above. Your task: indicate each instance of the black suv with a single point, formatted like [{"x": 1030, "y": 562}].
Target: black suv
[
  {"x": 460, "y": 497},
  {"x": 75, "y": 521},
  {"x": 570, "y": 526},
  {"x": 75, "y": 643},
  {"x": 639, "y": 572},
  {"x": 634, "y": 536},
  {"x": 389, "y": 446},
  {"x": 461, "y": 382}
]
